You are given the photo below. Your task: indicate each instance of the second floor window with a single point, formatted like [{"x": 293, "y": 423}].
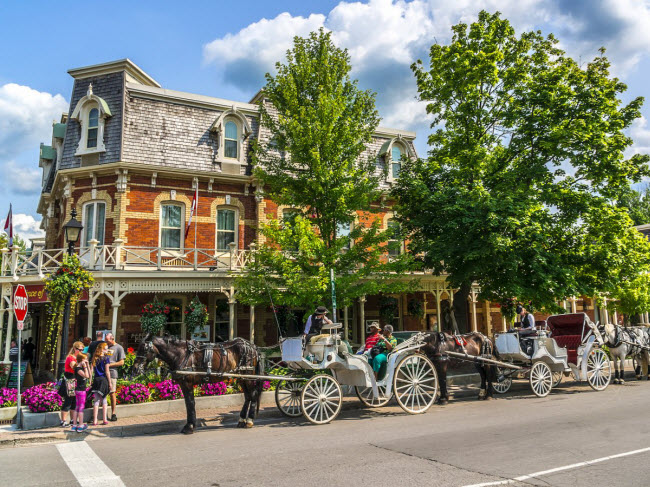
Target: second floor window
[
  {"x": 343, "y": 230},
  {"x": 231, "y": 143},
  {"x": 93, "y": 127},
  {"x": 171, "y": 228},
  {"x": 94, "y": 216},
  {"x": 396, "y": 161},
  {"x": 394, "y": 242},
  {"x": 225, "y": 229}
]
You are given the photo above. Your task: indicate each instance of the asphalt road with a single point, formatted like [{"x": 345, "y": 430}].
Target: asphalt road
[{"x": 464, "y": 443}]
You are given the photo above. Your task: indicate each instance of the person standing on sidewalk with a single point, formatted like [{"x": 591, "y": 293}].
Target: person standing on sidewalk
[
  {"x": 117, "y": 356},
  {"x": 93, "y": 345},
  {"x": 100, "y": 387},
  {"x": 69, "y": 402},
  {"x": 82, "y": 374}
]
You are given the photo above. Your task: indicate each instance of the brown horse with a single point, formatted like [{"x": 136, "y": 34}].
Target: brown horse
[
  {"x": 235, "y": 356},
  {"x": 477, "y": 345}
]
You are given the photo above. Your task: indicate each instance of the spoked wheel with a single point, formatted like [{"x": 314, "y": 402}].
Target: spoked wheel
[
  {"x": 415, "y": 384},
  {"x": 541, "y": 379},
  {"x": 557, "y": 378},
  {"x": 502, "y": 386},
  {"x": 321, "y": 399},
  {"x": 599, "y": 372},
  {"x": 368, "y": 399},
  {"x": 287, "y": 398}
]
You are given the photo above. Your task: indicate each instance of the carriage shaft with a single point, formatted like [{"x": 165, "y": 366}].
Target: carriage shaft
[
  {"x": 240, "y": 376},
  {"x": 632, "y": 344},
  {"x": 472, "y": 358}
]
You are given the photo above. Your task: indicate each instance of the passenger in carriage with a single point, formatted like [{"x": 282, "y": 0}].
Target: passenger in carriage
[
  {"x": 386, "y": 344},
  {"x": 315, "y": 322},
  {"x": 371, "y": 339}
]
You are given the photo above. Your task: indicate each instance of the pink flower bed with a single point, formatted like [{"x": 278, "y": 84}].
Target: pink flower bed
[
  {"x": 133, "y": 394},
  {"x": 8, "y": 397},
  {"x": 166, "y": 390},
  {"x": 43, "y": 398}
]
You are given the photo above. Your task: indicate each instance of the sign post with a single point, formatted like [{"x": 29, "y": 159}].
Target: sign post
[{"x": 20, "y": 310}]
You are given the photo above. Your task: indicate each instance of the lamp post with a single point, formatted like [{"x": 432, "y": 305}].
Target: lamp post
[{"x": 72, "y": 229}]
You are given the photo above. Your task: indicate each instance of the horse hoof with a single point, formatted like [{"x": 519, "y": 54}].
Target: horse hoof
[
  {"x": 638, "y": 377},
  {"x": 188, "y": 429},
  {"x": 622, "y": 382},
  {"x": 249, "y": 423},
  {"x": 241, "y": 423},
  {"x": 442, "y": 401}
]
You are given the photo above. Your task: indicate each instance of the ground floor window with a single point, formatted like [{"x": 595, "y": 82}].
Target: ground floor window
[
  {"x": 221, "y": 318},
  {"x": 175, "y": 322}
]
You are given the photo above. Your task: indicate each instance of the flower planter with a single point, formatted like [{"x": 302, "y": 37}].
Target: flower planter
[
  {"x": 47, "y": 420},
  {"x": 8, "y": 414}
]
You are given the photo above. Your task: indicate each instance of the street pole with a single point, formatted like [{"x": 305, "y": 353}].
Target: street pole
[
  {"x": 333, "y": 295},
  {"x": 20, "y": 349},
  {"x": 66, "y": 318}
]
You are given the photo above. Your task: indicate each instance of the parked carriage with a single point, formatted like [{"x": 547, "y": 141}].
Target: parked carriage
[
  {"x": 410, "y": 377},
  {"x": 567, "y": 344}
]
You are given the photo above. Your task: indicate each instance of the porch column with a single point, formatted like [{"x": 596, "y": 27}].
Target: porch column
[
  {"x": 362, "y": 318},
  {"x": 10, "y": 324},
  {"x": 232, "y": 302},
  {"x": 646, "y": 317},
  {"x": 116, "y": 308},
  {"x": 488, "y": 317},
  {"x": 605, "y": 312},
  {"x": 345, "y": 323},
  {"x": 439, "y": 324},
  {"x": 252, "y": 324},
  {"x": 91, "y": 309},
  {"x": 574, "y": 308},
  {"x": 615, "y": 317},
  {"x": 472, "y": 296}
]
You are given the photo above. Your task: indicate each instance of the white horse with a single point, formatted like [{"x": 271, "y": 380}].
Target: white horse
[{"x": 627, "y": 341}]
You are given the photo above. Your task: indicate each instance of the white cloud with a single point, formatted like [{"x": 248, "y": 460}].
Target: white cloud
[
  {"x": 21, "y": 179},
  {"x": 640, "y": 134},
  {"x": 385, "y": 36},
  {"x": 26, "y": 226},
  {"x": 26, "y": 117}
]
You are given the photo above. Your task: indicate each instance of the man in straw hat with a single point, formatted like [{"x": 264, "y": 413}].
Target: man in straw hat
[
  {"x": 371, "y": 339},
  {"x": 315, "y": 322}
]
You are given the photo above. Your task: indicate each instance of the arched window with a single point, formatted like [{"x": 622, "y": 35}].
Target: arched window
[
  {"x": 93, "y": 222},
  {"x": 231, "y": 147},
  {"x": 394, "y": 242},
  {"x": 93, "y": 128},
  {"x": 171, "y": 226},
  {"x": 396, "y": 161},
  {"x": 226, "y": 228}
]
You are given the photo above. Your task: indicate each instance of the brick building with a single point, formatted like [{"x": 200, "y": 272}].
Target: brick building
[{"x": 128, "y": 157}]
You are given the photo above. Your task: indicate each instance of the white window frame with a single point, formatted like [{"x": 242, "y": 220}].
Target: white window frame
[
  {"x": 243, "y": 132},
  {"x": 81, "y": 114},
  {"x": 86, "y": 228},
  {"x": 350, "y": 228},
  {"x": 182, "y": 229},
  {"x": 389, "y": 159},
  {"x": 183, "y": 300},
  {"x": 216, "y": 228},
  {"x": 236, "y": 139},
  {"x": 401, "y": 242}
]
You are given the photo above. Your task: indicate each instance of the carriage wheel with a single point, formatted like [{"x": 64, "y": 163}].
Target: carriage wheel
[
  {"x": 599, "y": 371},
  {"x": 321, "y": 399},
  {"x": 557, "y": 378},
  {"x": 368, "y": 399},
  {"x": 502, "y": 386},
  {"x": 287, "y": 398},
  {"x": 415, "y": 384},
  {"x": 541, "y": 379}
]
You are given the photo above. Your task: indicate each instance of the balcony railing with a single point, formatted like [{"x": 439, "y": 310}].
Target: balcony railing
[{"x": 120, "y": 257}]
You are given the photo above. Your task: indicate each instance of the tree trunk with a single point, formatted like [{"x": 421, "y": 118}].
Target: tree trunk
[{"x": 460, "y": 307}]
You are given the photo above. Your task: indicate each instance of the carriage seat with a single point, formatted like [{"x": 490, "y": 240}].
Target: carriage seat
[
  {"x": 318, "y": 344},
  {"x": 571, "y": 342}
]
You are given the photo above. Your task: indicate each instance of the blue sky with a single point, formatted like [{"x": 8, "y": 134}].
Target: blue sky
[{"x": 223, "y": 49}]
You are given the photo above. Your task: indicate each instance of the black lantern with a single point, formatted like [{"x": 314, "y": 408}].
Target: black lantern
[{"x": 72, "y": 230}]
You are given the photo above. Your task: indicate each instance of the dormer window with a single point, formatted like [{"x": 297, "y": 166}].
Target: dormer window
[
  {"x": 391, "y": 156},
  {"x": 93, "y": 127},
  {"x": 91, "y": 112},
  {"x": 396, "y": 161},
  {"x": 231, "y": 143}
]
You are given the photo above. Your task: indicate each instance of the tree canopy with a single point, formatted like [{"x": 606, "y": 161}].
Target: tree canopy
[
  {"x": 637, "y": 204},
  {"x": 312, "y": 157},
  {"x": 525, "y": 165}
]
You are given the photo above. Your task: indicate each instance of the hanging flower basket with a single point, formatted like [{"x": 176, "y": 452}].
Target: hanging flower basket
[
  {"x": 196, "y": 315},
  {"x": 154, "y": 317}
]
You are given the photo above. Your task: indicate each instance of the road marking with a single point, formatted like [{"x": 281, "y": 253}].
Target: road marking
[
  {"x": 560, "y": 469},
  {"x": 86, "y": 466}
]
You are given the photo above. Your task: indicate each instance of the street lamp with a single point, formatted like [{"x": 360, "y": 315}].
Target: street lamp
[{"x": 72, "y": 229}]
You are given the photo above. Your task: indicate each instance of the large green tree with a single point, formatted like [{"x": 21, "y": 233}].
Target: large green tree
[
  {"x": 526, "y": 161},
  {"x": 637, "y": 204},
  {"x": 312, "y": 156}
]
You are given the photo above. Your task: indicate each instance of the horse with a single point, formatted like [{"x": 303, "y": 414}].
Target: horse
[
  {"x": 475, "y": 344},
  {"x": 616, "y": 337},
  {"x": 236, "y": 356}
]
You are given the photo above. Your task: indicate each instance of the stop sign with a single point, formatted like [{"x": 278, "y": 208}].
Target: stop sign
[{"x": 20, "y": 303}]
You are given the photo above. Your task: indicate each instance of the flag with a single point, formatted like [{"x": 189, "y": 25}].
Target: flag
[
  {"x": 195, "y": 203},
  {"x": 9, "y": 227}
]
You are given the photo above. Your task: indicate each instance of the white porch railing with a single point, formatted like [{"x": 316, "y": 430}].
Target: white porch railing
[{"x": 16, "y": 262}]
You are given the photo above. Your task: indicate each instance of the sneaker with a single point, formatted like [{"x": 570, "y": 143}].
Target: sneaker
[
  {"x": 73, "y": 428},
  {"x": 113, "y": 418},
  {"x": 64, "y": 424},
  {"x": 83, "y": 428}
]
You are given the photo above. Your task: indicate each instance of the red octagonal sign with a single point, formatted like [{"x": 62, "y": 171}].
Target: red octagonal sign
[{"x": 20, "y": 303}]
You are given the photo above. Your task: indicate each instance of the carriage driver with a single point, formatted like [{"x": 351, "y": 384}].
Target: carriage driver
[
  {"x": 315, "y": 322},
  {"x": 527, "y": 328}
]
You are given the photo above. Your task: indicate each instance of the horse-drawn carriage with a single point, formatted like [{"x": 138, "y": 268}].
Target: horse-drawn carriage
[
  {"x": 410, "y": 377},
  {"x": 567, "y": 344}
]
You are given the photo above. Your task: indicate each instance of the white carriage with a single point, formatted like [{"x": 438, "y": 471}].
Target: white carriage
[
  {"x": 567, "y": 344},
  {"x": 410, "y": 377}
]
